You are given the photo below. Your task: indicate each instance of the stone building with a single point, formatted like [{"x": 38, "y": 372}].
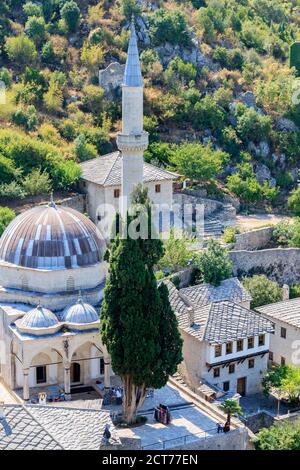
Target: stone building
[
  {"x": 226, "y": 344},
  {"x": 285, "y": 342},
  {"x": 52, "y": 276}
]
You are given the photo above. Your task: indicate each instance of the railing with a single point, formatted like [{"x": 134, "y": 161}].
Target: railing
[{"x": 181, "y": 441}]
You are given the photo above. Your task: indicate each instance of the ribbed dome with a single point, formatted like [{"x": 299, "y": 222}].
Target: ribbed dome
[
  {"x": 80, "y": 313},
  {"x": 51, "y": 237},
  {"x": 39, "y": 317}
]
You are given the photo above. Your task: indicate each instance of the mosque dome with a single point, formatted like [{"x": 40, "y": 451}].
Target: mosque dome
[
  {"x": 51, "y": 238},
  {"x": 38, "y": 317},
  {"x": 80, "y": 313}
]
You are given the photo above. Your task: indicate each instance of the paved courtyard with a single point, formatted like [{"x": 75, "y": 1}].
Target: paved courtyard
[
  {"x": 255, "y": 403},
  {"x": 188, "y": 424}
]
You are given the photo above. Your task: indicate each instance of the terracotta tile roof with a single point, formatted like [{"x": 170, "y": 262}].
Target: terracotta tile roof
[{"x": 107, "y": 171}]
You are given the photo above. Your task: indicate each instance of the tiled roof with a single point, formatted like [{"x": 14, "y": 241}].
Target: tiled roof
[
  {"x": 287, "y": 311},
  {"x": 216, "y": 322},
  {"x": 36, "y": 427},
  {"x": 230, "y": 289},
  {"x": 107, "y": 171}
]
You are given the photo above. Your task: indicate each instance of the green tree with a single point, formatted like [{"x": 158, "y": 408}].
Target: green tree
[
  {"x": 21, "y": 50},
  {"x": 263, "y": 291},
  {"x": 281, "y": 436},
  {"x": 176, "y": 253},
  {"x": 283, "y": 381},
  {"x": 71, "y": 14},
  {"x": 138, "y": 325},
  {"x": 37, "y": 182},
  {"x": 36, "y": 29},
  {"x": 32, "y": 9},
  {"x": 6, "y": 216},
  {"x": 214, "y": 264},
  {"x": 83, "y": 150},
  {"x": 230, "y": 408},
  {"x": 130, "y": 8},
  {"x": 198, "y": 162},
  {"x": 168, "y": 26},
  {"x": 294, "y": 201}
]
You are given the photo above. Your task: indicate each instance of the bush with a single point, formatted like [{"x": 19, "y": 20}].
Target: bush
[
  {"x": 12, "y": 190},
  {"x": 294, "y": 201},
  {"x": 262, "y": 290},
  {"x": 6, "y": 216},
  {"x": 283, "y": 233},
  {"x": 71, "y": 15},
  {"x": 26, "y": 117},
  {"x": 36, "y": 29},
  {"x": 159, "y": 153},
  {"x": 295, "y": 56},
  {"x": 252, "y": 126},
  {"x": 180, "y": 71},
  {"x": 176, "y": 253},
  {"x": 230, "y": 59},
  {"x": 198, "y": 162},
  {"x": 281, "y": 436},
  {"x": 168, "y": 26},
  {"x": 7, "y": 169},
  {"x": 295, "y": 291},
  {"x": 130, "y": 8},
  {"x": 214, "y": 264},
  {"x": 32, "y": 9},
  {"x": 21, "y": 50},
  {"x": 209, "y": 115},
  {"x": 83, "y": 150},
  {"x": 6, "y": 77},
  {"x": 53, "y": 99},
  {"x": 37, "y": 182},
  {"x": 229, "y": 235}
]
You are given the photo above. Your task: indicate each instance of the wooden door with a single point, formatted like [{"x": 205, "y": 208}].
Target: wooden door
[{"x": 241, "y": 386}]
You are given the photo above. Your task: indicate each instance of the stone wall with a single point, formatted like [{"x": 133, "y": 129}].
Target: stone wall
[
  {"x": 78, "y": 202},
  {"x": 279, "y": 264},
  {"x": 236, "y": 439},
  {"x": 210, "y": 205},
  {"x": 258, "y": 421},
  {"x": 254, "y": 240}
]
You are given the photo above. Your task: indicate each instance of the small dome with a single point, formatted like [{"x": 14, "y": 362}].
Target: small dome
[
  {"x": 80, "y": 313},
  {"x": 39, "y": 317}
]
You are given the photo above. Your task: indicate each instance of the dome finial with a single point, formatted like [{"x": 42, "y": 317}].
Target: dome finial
[
  {"x": 52, "y": 203},
  {"x": 80, "y": 299}
]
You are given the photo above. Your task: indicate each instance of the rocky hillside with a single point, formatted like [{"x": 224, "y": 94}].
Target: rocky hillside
[{"x": 221, "y": 97}]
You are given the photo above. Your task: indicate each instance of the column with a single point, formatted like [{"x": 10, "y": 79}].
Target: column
[
  {"x": 67, "y": 380},
  {"x": 26, "y": 394},
  {"x": 107, "y": 372}
]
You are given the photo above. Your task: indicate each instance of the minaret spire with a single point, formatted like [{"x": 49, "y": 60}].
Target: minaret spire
[{"x": 132, "y": 141}]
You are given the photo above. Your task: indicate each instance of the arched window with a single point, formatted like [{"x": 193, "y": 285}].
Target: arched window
[{"x": 70, "y": 284}]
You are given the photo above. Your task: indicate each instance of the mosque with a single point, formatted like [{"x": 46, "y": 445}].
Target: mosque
[{"x": 52, "y": 271}]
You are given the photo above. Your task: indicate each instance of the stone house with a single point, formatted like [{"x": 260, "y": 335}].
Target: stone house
[
  {"x": 285, "y": 342},
  {"x": 226, "y": 344}
]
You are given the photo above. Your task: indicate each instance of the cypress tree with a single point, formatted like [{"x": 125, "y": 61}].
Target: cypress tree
[{"x": 138, "y": 325}]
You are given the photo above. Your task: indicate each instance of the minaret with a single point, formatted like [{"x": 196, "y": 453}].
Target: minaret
[{"x": 133, "y": 140}]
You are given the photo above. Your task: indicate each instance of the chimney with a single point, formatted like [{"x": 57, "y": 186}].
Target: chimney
[
  {"x": 191, "y": 315},
  {"x": 285, "y": 292},
  {"x": 2, "y": 415}
]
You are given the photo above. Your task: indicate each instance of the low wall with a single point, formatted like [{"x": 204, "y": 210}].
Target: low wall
[
  {"x": 258, "y": 421},
  {"x": 254, "y": 240},
  {"x": 77, "y": 202},
  {"x": 279, "y": 264},
  {"x": 210, "y": 205},
  {"x": 236, "y": 439}
]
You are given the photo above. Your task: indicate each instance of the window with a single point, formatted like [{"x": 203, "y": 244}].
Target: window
[
  {"x": 261, "y": 340},
  {"x": 251, "y": 363},
  {"x": 231, "y": 369},
  {"x": 70, "y": 284},
  {"x": 282, "y": 361},
  {"x": 239, "y": 345},
  {"x": 229, "y": 347},
  {"x": 218, "y": 350},
  {"x": 271, "y": 356},
  {"x": 216, "y": 372},
  {"x": 283, "y": 333},
  {"x": 101, "y": 366},
  {"x": 226, "y": 386},
  {"x": 41, "y": 375},
  {"x": 116, "y": 193},
  {"x": 157, "y": 188},
  {"x": 251, "y": 342}
]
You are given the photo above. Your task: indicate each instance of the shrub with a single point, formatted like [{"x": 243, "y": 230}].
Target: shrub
[
  {"x": 37, "y": 182},
  {"x": 295, "y": 56},
  {"x": 130, "y": 8},
  {"x": 12, "y": 190},
  {"x": 181, "y": 71},
  {"x": 176, "y": 253},
  {"x": 281, "y": 436},
  {"x": 92, "y": 56},
  {"x": 208, "y": 114},
  {"x": 21, "y": 50},
  {"x": 48, "y": 54},
  {"x": 168, "y": 26},
  {"x": 36, "y": 29},
  {"x": 262, "y": 290},
  {"x": 159, "y": 152},
  {"x": 230, "y": 59},
  {"x": 214, "y": 264},
  {"x": 294, "y": 201},
  {"x": 6, "y": 77},
  {"x": 71, "y": 15},
  {"x": 252, "y": 126},
  {"x": 198, "y": 162},
  {"x": 6, "y": 216},
  {"x": 7, "y": 169},
  {"x": 295, "y": 291},
  {"x": 53, "y": 99},
  {"x": 32, "y": 9},
  {"x": 26, "y": 117},
  {"x": 229, "y": 235},
  {"x": 283, "y": 233},
  {"x": 83, "y": 150},
  {"x": 93, "y": 98}
]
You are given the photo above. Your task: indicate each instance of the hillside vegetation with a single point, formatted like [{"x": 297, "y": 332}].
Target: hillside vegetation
[{"x": 221, "y": 97}]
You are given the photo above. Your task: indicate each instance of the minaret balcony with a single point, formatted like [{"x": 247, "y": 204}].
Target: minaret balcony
[{"x": 133, "y": 142}]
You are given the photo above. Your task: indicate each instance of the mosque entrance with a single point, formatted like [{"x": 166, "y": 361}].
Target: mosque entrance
[{"x": 75, "y": 372}]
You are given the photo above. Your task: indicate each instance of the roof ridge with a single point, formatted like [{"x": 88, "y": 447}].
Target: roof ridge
[
  {"x": 42, "y": 426},
  {"x": 117, "y": 156}
]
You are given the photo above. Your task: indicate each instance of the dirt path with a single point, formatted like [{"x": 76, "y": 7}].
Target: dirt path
[{"x": 255, "y": 221}]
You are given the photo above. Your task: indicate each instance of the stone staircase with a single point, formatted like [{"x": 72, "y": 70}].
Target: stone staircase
[{"x": 215, "y": 223}]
